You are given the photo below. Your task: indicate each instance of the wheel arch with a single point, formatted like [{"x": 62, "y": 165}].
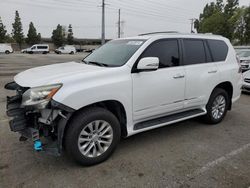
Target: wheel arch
[
  {"x": 228, "y": 87},
  {"x": 114, "y": 106}
]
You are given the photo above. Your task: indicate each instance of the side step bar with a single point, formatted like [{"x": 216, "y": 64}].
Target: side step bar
[{"x": 169, "y": 119}]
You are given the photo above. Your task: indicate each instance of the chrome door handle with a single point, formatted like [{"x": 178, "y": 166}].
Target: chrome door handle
[
  {"x": 178, "y": 76},
  {"x": 211, "y": 72}
]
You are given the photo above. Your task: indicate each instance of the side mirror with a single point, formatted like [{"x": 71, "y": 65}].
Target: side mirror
[{"x": 148, "y": 64}]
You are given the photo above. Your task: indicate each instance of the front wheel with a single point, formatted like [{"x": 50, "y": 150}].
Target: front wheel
[
  {"x": 7, "y": 52},
  {"x": 217, "y": 106},
  {"x": 92, "y": 136}
]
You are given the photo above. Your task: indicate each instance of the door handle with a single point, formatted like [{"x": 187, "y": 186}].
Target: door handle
[
  {"x": 212, "y": 72},
  {"x": 178, "y": 76}
]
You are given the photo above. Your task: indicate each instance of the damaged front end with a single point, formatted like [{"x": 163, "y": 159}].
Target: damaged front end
[{"x": 36, "y": 116}]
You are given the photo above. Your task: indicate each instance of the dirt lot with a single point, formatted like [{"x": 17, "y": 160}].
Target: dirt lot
[{"x": 187, "y": 154}]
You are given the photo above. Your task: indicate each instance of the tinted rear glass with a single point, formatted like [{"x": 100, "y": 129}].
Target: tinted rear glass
[
  {"x": 219, "y": 49},
  {"x": 194, "y": 51}
]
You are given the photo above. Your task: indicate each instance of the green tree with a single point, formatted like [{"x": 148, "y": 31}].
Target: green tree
[
  {"x": 229, "y": 12},
  {"x": 58, "y": 36},
  {"x": 214, "y": 24},
  {"x": 218, "y": 18},
  {"x": 39, "y": 38},
  {"x": 213, "y": 10},
  {"x": 247, "y": 25},
  {"x": 239, "y": 26},
  {"x": 32, "y": 36},
  {"x": 2, "y": 32},
  {"x": 9, "y": 39},
  {"x": 17, "y": 30},
  {"x": 70, "y": 37}
]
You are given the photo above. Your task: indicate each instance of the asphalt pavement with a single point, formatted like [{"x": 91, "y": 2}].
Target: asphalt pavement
[{"x": 186, "y": 154}]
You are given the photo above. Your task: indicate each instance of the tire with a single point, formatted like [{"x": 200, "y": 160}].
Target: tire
[
  {"x": 7, "y": 52},
  {"x": 79, "y": 125},
  {"x": 71, "y": 53},
  {"x": 219, "y": 108},
  {"x": 45, "y": 52}
]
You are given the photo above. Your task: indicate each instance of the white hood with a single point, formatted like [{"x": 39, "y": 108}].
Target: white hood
[{"x": 52, "y": 74}]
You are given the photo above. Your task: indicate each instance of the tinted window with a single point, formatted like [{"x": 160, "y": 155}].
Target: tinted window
[
  {"x": 194, "y": 51},
  {"x": 167, "y": 51},
  {"x": 219, "y": 49},
  {"x": 41, "y": 47}
]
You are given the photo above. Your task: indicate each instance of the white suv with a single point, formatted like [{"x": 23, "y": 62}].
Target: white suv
[{"x": 123, "y": 88}]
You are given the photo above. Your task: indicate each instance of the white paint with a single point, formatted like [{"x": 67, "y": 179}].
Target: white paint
[{"x": 220, "y": 160}]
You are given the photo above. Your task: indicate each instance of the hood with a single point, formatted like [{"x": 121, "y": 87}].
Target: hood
[
  {"x": 244, "y": 58},
  {"x": 52, "y": 74}
]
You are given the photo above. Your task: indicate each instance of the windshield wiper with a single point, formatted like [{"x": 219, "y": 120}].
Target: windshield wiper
[{"x": 96, "y": 63}]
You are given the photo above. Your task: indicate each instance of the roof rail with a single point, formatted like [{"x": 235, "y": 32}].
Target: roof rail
[{"x": 160, "y": 32}]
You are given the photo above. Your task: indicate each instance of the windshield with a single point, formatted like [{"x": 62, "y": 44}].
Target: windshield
[
  {"x": 244, "y": 54},
  {"x": 115, "y": 53}
]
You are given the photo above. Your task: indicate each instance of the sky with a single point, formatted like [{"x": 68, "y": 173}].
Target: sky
[{"x": 137, "y": 16}]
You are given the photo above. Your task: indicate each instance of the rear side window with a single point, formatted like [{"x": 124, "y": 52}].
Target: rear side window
[
  {"x": 166, "y": 50},
  {"x": 42, "y": 47},
  {"x": 219, "y": 49},
  {"x": 194, "y": 51}
]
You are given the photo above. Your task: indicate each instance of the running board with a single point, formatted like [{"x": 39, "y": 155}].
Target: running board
[{"x": 169, "y": 119}]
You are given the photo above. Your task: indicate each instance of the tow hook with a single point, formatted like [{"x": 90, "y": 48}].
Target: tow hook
[{"x": 38, "y": 145}]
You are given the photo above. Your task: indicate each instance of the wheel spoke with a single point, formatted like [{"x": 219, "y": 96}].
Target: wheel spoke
[
  {"x": 95, "y": 138},
  {"x": 101, "y": 150},
  {"x": 218, "y": 107},
  {"x": 105, "y": 130},
  {"x": 84, "y": 139},
  {"x": 88, "y": 149},
  {"x": 94, "y": 151}
]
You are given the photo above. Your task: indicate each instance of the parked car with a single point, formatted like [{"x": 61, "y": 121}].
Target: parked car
[
  {"x": 5, "y": 48},
  {"x": 89, "y": 50},
  {"x": 125, "y": 87},
  {"x": 244, "y": 56},
  {"x": 246, "y": 83},
  {"x": 66, "y": 50},
  {"x": 37, "y": 48}
]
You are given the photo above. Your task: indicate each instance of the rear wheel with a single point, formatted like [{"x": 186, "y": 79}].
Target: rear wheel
[
  {"x": 217, "y": 106},
  {"x": 92, "y": 136},
  {"x": 71, "y": 52},
  {"x": 7, "y": 51}
]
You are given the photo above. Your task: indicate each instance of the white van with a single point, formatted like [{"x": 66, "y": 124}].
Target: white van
[
  {"x": 66, "y": 50},
  {"x": 5, "y": 48},
  {"x": 37, "y": 48}
]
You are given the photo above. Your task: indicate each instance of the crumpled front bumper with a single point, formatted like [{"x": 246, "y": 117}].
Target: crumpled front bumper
[{"x": 45, "y": 127}]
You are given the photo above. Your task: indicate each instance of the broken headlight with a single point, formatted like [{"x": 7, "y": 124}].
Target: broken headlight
[{"x": 39, "y": 96}]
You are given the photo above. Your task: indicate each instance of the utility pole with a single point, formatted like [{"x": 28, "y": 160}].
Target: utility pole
[
  {"x": 192, "y": 24},
  {"x": 103, "y": 22},
  {"x": 119, "y": 23}
]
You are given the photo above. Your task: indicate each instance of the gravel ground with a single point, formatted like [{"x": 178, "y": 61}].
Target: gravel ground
[{"x": 186, "y": 154}]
